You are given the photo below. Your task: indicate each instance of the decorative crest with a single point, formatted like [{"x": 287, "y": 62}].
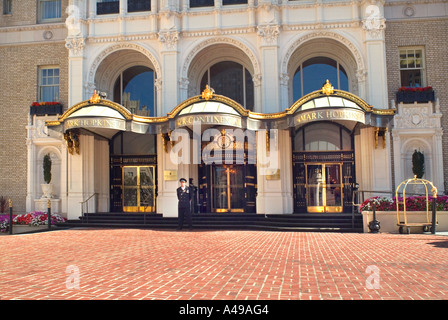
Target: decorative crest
[
  {"x": 207, "y": 93},
  {"x": 95, "y": 98},
  {"x": 328, "y": 88}
]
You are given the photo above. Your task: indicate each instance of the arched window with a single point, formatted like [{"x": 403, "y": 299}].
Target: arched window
[
  {"x": 312, "y": 74},
  {"x": 232, "y": 80},
  {"x": 323, "y": 136},
  {"x": 134, "y": 89}
]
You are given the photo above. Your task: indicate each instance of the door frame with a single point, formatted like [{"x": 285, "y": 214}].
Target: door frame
[
  {"x": 139, "y": 207},
  {"x": 324, "y": 208}
]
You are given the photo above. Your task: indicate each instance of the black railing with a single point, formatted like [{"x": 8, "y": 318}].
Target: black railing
[
  {"x": 139, "y": 5},
  {"x": 109, "y": 7}
]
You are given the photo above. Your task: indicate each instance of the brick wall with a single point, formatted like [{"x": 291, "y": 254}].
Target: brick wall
[
  {"x": 24, "y": 12},
  {"x": 18, "y": 89},
  {"x": 433, "y": 36}
]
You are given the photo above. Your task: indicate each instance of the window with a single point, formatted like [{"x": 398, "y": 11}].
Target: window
[
  {"x": 312, "y": 74},
  {"x": 202, "y": 3},
  {"x": 7, "y": 6},
  {"x": 323, "y": 136},
  {"x": 412, "y": 67},
  {"x": 228, "y": 2},
  {"x": 49, "y": 10},
  {"x": 49, "y": 84},
  {"x": 139, "y": 5},
  {"x": 232, "y": 80},
  {"x": 134, "y": 89},
  {"x": 107, "y": 6}
]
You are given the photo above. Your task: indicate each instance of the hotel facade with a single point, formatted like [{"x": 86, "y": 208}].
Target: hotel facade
[{"x": 266, "y": 106}]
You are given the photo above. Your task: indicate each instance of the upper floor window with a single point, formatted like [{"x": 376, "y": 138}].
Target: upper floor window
[
  {"x": 135, "y": 90},
  {"x": 49, "y": 10},
  {"x": 139, "y": 5},
  {"x": 107, "y": 6},
  {"x": 211, "y": 3},
  {"x": 228, "y": 2},
  {"x": 232, "y": 80},
  {"x": 7, "y": 6},
  {"x": 312, "y": 74},
  {"x": 202, "y": 3},
  {"x": 412, "y": 67},
  {"x": 49, "y": 84}
]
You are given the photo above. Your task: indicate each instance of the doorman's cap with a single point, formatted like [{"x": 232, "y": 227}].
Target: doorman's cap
[{"x": 182, "y": 179}]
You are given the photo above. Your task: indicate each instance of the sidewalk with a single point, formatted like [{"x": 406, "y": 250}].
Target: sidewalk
[{"x": 212, "y": 265}]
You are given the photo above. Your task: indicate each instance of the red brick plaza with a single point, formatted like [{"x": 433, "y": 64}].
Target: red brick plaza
[{"x": 146, "y": 264}]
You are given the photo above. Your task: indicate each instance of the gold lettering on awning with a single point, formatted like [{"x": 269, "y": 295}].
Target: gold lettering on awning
[
  {"x": 208, "y": 119},
  {"x": 330, "y": 114},
  {"x": 95, "y": 123}
]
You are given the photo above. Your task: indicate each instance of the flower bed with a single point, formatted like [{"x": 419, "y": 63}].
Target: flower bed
[
  {"x": 36, "y": 218},
  {"x": 417, "y": 203}
]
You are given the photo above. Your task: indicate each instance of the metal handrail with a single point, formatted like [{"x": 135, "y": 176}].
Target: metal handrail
[{"x": 83, "y": 203}]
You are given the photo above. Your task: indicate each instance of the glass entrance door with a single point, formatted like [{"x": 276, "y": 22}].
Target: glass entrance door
[
  {"x": 324, "y": 187},
  {"x": 228, "y": 193},
  {"x": 138, "y": 189}
]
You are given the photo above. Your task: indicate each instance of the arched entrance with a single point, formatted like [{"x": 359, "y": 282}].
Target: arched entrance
[
  {"x": 323, "y": 149},
  {"x": 226, "y": 161},
  {"x": 323, "y": 168}
]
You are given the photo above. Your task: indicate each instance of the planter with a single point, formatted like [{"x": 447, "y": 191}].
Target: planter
[
  {"x": 42, "y": 110},
  {"x": 388, "y": 220},
  {"x": 19, "y": 228},
  {"x": 417, "y": 96},
  {"x": 47, "y": 190}
]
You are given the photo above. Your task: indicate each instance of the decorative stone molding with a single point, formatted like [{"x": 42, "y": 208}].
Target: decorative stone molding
[
  {"x": 217, "y": 40},
  {"x": 374, "y": 24},
  {"x": 169, "y": 39},
  {"x": 75, "y": 45},
  {"x": 268, "y": 33},
  {"x": 122, "y": 46},
  {"x": 323, "y": 34}
]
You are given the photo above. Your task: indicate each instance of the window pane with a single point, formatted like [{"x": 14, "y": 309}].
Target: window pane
[
  {"x": 138, "y": 91},
  {"x": 297, "y": 85},
  {"x": 316, "y": 75},
  {"x": 411, "y": 78},
  {"x": 202, "y": 3},
  {"x": 51, "y": 9},
  {"x": 226, "y": 2},
  {"x": 322, "y": 137},
  {"x": 49, "y": 84},
  {"x": 139, "y": 5},
  {"x": 343, "y": 79}
]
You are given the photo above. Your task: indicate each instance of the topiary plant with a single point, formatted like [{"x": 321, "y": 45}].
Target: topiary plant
[
  {"x": 47, "y": 168},
  {"x": 418, "y": 164}
]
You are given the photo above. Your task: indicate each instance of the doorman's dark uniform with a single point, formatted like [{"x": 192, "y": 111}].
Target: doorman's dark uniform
[{"x": 184, "y": 206}]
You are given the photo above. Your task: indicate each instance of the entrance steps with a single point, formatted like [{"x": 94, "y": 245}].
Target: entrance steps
[{"x": 224, "y": 221}]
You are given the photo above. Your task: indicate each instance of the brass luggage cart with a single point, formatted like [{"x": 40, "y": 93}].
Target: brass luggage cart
[{"x": 404, "y": 225}]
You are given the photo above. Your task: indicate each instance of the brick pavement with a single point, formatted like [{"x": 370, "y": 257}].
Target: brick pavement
[{"x": 214, "y": 265}]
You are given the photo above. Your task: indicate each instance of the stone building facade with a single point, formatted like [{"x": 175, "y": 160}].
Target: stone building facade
[{"x": 101, "y": 45}]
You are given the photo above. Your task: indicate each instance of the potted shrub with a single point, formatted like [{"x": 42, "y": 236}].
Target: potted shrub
[
  {"x": 418, "y": 164},
  {"x": 47, "y": 187}
]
